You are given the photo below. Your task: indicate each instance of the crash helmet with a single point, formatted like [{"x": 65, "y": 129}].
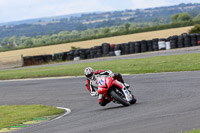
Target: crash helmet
[{"x": 89, "y": 72}]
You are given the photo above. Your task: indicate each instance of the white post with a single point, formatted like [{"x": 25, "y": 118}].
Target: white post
[{"x": 22, "y": 60}]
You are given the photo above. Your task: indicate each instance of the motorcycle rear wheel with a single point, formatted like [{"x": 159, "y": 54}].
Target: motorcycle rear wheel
[{"x": 118, "y": 98}]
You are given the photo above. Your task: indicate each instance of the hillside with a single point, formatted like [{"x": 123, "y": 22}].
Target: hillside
[
  {"x": 78, "y": 22},
  {"x": 87, "y": 44}
]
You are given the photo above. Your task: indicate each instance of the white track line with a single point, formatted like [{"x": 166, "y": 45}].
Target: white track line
[{"x": 67, "y": 111}]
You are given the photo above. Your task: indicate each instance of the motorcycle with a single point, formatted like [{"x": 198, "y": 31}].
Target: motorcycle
[{"x": 115, "y": 91}]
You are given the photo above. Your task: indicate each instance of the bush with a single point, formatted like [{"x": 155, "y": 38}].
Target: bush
[{"x": 195, "y": 29}]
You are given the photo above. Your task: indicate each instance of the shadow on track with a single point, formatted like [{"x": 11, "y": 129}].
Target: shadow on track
[{"x": 115, "y": 107}]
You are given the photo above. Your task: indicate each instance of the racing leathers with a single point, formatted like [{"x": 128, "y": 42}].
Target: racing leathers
[{"x": 92, "y": 85}]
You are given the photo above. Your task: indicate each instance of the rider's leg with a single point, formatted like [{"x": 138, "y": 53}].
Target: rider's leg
[
  {"x": 118, "y": 76},
  {"x": 102, "y": 100}
]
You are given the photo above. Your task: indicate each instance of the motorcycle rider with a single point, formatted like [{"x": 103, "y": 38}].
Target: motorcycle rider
[{"x": 92, "y": 85}]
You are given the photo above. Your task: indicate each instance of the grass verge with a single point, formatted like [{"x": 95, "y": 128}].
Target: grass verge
[
  {"x": 194, "y": 131},
  {"x": 172, "y": 63},
  {"x": 17, "y": 114}
]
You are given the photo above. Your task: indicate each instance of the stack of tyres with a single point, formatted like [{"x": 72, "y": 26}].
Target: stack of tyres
[
  {"x": 127, "y": 48},
  {"x": 187, "y": 40},
  {"x": 70, "y": 55},
  {"x": 194, "y": 39},
  {"x": 168, "y": 46},
  {"x": 132, "y": 47},
  {"x": 162, "y": 44},
  {"x": 137, "y": 47},
  {"x": 47, "y": 58},
  {"x": 28, "y": 60},
  {"x": 117, "y": 49},
  {"x": 105, "y": 49},
  {"x": 198, "y": 39},
  {"x": 93, "y": 52},
  {"x": 64, "y": 57},
  {"x": 150, "y": 45},
  {"x": 112, "y": 47},
  {"x": 180, "y": 42},
  {"x": 82, "y": 53},
  {"x": 143, "y": 46},
  {"x": 38, "y": 59},
  {"x": 155, "y": 44},
  {"x": 123, "y": 48},
  {"x": 111, "y": 52},
  {"x": 76, "y": 53},
  {"x": 87, "y": 53},
  {"x": 173, "y": 42},
  {"x": 58, "y": 56},
  {"x": 99, "y": 51}
]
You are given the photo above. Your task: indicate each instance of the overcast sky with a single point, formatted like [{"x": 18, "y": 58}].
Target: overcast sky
[{"x": 13, "y": 10}]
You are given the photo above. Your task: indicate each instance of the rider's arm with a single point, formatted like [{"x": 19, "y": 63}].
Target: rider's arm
[
  {"x": 104, "y": 72},
  {"x": 90, "y": 88}
]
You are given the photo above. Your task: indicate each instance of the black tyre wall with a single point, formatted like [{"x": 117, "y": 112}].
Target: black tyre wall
[
  {"x": 150, "y": 45},
  {"x": 137, "y": 47},
  {"x": 155, "y": 44},
  {"x": 143, "y": 46}
]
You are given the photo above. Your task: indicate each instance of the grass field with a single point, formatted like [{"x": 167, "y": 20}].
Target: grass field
[
  {"x": 185, "y": 62},
  {"x": 87, "y": 44},
  {"x": 17, "y": 114}
]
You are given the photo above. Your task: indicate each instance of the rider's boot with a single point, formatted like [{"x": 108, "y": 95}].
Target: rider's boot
[{"x": 126, "y": 85}]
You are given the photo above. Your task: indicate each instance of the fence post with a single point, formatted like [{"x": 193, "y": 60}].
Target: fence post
[{"x": 22, "y": 60}]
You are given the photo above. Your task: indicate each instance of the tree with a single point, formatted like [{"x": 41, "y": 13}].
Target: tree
[
  {"x": 127, "y": 26},
  {"x": 105, "y": 30},
  {"x": 5, "y": 41},
  {"x": 197, "y": 18},
  {"x": 184, "y": 17},
  {"x": 181, "y": 17}
]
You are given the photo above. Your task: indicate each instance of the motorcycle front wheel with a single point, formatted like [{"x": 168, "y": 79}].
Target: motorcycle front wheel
[
  {"x": 134, "y": 100},
  {"x": 118, "y": 96}
]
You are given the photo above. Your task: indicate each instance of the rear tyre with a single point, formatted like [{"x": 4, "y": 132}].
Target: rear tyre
[{"x": 119, "y": 98}]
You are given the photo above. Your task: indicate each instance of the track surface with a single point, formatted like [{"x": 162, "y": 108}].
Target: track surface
[{"x": 167, "y": 103}]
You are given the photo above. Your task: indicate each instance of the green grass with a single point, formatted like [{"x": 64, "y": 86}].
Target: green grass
[
  {"x": 194, "y": 131},
  {"x": 17, "y": 114},
  {"x": 173, "y": 63}
]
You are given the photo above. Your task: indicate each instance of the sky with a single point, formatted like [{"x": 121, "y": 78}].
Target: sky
[{"x": 14, "y": 10}]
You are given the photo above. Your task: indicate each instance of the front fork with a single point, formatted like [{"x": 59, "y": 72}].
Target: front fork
[{"x": 127, "y": 94}]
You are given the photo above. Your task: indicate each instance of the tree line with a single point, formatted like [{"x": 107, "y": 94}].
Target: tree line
[{"x": 14, "y": 42}]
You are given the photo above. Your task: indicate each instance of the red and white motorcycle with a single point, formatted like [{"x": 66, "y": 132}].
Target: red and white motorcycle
[{"x": 115, "y": 91}]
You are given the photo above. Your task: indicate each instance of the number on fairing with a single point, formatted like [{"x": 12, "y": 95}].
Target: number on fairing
[{"x": 101, "y": 82}]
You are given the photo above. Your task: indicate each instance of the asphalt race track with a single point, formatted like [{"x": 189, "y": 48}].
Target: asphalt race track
[{"x": 167, "y": 103}]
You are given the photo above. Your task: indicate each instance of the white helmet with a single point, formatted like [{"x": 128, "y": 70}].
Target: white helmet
[{"x": 89, "y": 72}]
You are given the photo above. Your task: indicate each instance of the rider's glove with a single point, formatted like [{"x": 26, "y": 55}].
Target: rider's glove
[
  {"x": 111, "y": 74},
  {"x": 94, "y": 93}
]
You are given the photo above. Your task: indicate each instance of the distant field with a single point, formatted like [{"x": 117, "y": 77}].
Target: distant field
[{"x": 87, "y": 44}]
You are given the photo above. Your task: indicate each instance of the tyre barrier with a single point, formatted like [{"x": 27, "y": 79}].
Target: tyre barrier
[
  {"x": 149, "y": 45},
  {"x": 155, "y": 44},
  {"x": 36, "y": 60},
  {"x": 106, "y": 49},
  {"x": 162, "y": 44}
]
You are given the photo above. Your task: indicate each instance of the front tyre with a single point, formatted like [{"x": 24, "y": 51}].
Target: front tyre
[
  {"x": 134, "y": 100},
  {"x": 119, "y": 98}
]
